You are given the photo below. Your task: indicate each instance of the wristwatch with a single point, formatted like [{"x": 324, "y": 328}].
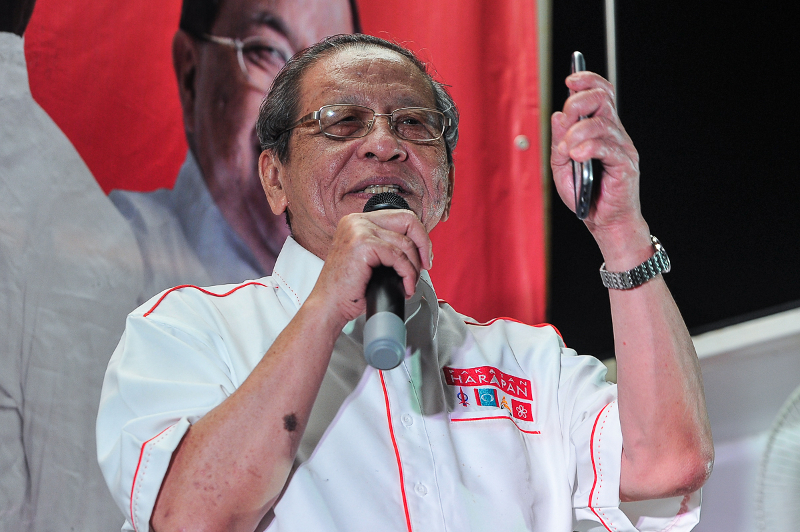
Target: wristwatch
[{"x": 655, "y": 265}]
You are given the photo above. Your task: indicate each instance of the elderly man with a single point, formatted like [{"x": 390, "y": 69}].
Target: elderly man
[
  {"x": 223, "y": 404},
  {"x": 215, "y": 226}
]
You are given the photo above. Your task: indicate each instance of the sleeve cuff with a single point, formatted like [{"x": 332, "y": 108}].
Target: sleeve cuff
[
  {"x": 597, "y": 495},
  {"x": 154, "y": 459}
]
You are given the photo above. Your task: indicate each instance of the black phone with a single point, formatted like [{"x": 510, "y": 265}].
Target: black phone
[{"x": 582, "y": 175}]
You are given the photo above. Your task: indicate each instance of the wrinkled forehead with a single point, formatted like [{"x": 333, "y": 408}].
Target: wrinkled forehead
[
  {"x": 301, "y": 22},
  {"x": 365, "y": 75}
]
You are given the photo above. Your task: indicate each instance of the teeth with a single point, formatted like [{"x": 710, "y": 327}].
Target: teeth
[{"x": 377, "y": 189}]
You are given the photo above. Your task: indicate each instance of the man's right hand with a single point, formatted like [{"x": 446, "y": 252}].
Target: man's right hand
[
  {"x": 395, "y": 238},
  {"x": 287, "y": 379}
]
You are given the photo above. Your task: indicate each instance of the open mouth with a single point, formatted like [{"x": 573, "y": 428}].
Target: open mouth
[{"x": 377, "y": 189}]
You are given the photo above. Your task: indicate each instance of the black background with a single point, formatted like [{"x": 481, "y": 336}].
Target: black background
[{"x": 709, "y": 94}]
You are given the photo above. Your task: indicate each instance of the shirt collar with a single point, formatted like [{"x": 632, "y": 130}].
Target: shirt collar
[
  {"x": 297, "y": 270},
  {"x": 207, "y": 231}
]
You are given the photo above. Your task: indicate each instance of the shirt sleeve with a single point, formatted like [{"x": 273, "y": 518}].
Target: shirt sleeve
[
  {"x": 590, "y": 413},
  {"x": 162, "y": 377}
]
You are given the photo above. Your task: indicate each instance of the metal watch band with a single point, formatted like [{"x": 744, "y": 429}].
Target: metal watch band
[{"x": 655, "y": 265}]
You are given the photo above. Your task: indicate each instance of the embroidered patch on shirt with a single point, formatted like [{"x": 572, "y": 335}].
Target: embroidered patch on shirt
[
  {"x": 488, "y": 376},
  {"x": 486, "y": 396},
  {"x": 521, "y": 410},
  {"x": 463, "y": 398},
  {"x": 504, "y": 404}
]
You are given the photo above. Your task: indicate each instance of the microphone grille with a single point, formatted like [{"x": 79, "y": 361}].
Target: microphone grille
[{"x": 385, "y": 200}]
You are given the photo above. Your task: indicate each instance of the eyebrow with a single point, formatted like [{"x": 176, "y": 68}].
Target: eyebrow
[
  {"x": 276, "y": 23},
  {"x": 361, "y": 98},
  {"x": 269, "y": 19}
]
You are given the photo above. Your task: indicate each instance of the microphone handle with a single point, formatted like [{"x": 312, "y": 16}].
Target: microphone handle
[
  {"x": 385, "y": 328},
  {"x": 385, "y": 291}
]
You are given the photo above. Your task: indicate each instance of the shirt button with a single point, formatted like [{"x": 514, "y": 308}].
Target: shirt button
[
  {"x": 421, "y": 490},
  {"x": 407, "y": 420}
]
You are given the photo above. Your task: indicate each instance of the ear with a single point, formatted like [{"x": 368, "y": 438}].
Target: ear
[
  {"x": 272, "y": 173},
  {"x": 451, "y": 183},
  {"x": 185, "y": 61}
]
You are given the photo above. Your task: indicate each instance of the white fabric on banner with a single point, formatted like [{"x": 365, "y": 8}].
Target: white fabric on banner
[
  {"x": 70, "y": 271},
  {"x": 183, "y": 236}
]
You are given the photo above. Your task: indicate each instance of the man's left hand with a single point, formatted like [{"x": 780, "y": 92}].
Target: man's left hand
[{"x": 600, "y": 136}]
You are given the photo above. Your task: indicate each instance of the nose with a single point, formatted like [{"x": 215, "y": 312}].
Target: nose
[{"x": 381, "y": 143}]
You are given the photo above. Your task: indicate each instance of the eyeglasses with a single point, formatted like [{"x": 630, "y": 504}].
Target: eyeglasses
[
  {"x": 259, "y": 58},
  {"x": 343, "y": 121}
]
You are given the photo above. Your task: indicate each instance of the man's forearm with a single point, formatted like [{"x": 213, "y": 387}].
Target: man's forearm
[
  {"x": 232, "y": 464},
  {"x": 667, "y": 448}
]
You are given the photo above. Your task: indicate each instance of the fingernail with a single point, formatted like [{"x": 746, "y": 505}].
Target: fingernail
[{"x": 430, "y": 259}]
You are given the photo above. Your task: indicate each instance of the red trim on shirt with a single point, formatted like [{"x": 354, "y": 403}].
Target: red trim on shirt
[
  {"x": 165, "y": 294},
  {"x": 594, "y": 468},
  {"x": 396, "y": 451},
  {"x": 136, "y": 473},
  {"x": 495, "y": 417},
  {"x": 539, "y": 325},
  {"x": 486, "y": 324}
]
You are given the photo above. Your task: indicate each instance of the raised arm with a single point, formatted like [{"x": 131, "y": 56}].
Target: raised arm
[
  {"x": 232, "y": 465},
  {"x": 667, "y": 447}
]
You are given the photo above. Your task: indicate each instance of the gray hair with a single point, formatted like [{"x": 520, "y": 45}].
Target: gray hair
[{"x": 280, "y": 108}]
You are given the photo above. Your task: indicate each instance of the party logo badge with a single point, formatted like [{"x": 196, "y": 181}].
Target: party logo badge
[{"x": 486, "y": 396}]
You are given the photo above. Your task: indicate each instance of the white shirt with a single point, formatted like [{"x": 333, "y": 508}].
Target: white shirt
[
  {"x": 69, "y": 274},
  {"x": 183, "y": 236},
  {"x": 493, "y": 426}
]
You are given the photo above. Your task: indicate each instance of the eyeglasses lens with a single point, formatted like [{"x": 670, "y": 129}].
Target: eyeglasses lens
[
  {"x": 418, "y": 124},
  {"x": 347, "y": 121},
  {"x": 262, "y": 60},
  {"x": 352, "y": 121}
]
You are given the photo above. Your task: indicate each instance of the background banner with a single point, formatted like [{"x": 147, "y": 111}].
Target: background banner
[{"x": 103, "y": 72}]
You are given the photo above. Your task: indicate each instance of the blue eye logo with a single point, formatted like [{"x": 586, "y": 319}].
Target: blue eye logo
[{"x": 486, "y": 396}]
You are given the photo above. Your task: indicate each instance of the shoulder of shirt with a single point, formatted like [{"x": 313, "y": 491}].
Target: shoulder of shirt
[
  {"x": 546, "y": 328},
  {"x": 185, "y": 299}
]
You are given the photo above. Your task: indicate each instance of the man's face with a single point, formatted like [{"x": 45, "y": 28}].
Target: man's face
[
  {"x": 325, "y": 179},
  {"x": 225, "y": 106}
]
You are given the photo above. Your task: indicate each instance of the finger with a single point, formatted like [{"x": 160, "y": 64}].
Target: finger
[
  {"x": 403, "y": 258},
  {"x": 576, "y": 137},
  {"x": 406, "y": 223},
  {"x": 391, "y": 238},
  {"x": 559, "y": 125},
  {"x": 593, "y": 102},
  {"x": 615, "y": 158},
  {"x": 586, "y": 80},
  {"x": 403, "y": 243}
]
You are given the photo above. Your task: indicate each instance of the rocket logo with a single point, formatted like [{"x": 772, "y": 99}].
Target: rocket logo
[{"x": 463, "y": 398}]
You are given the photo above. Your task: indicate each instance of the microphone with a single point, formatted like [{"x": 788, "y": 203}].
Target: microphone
[{"x": 385, "y": 329}]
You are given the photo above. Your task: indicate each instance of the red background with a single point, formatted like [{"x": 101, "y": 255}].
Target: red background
[{"x": 103, "y": 71}]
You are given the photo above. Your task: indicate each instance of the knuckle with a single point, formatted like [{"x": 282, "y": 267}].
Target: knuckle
[
  {"x": 407, "y": 243},
  {"x": 397, "y": 252}
]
